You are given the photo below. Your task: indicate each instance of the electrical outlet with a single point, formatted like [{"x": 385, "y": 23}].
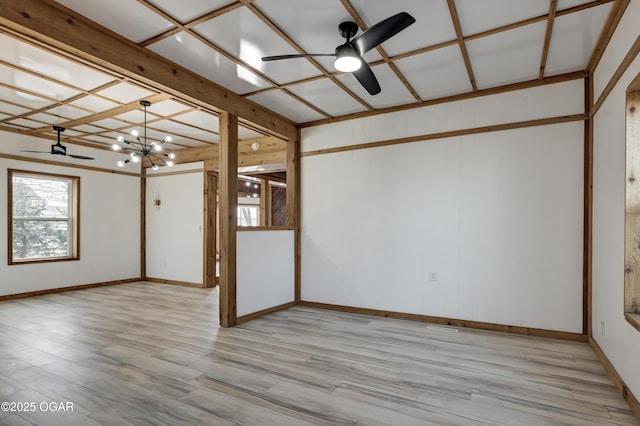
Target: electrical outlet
[
  {"x": 602, "y": 328},
  {"x": 433, "y": 276}
]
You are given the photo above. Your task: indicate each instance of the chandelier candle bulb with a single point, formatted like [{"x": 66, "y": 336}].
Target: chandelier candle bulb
[{"x": 142, "y": 148}]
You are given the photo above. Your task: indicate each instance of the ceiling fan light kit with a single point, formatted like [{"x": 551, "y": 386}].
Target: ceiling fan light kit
[
  {"x": 141, "y": 148},
  {"x": 349, "y": 55}
]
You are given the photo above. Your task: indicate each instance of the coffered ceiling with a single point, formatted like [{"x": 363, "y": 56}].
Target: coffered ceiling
[{"x": 455, "y": 47}]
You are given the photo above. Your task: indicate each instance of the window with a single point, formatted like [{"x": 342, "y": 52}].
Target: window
[
  {"x": 248, "y": 215},
  {"x": 43, "y": 217}
]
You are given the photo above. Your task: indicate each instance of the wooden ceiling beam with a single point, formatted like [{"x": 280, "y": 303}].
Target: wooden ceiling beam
[
  {"x": 553, "y": 6},
  {"x": 610, "y": 26},
  {"x": 461, "y": 42},
  {"x": 54, "y": 25}
]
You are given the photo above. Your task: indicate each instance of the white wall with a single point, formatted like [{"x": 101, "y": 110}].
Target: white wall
[
  {"x": 619, "y": 340},
  {"x": 497, "y": 216},
  {"x": 174, "y": 229},
  {"x": 265, "y": 270},
  {"x": 109, "y": 228}
]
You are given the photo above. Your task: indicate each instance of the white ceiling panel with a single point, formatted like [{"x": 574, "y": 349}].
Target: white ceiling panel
[
  {"x": 100, "y": 139},
  {"x": 29, "y": 57},
  {"x": 394, "y": 92},
  {"x": 24, "y": 122},
  {"x": 94, "y": 103},
  {"x": 3, "y": 116},
  {"x": 185, "y": 11},
  {"x": 167, "y": 107},
  {"x": 201, "y": 119},
  {"x": 47, "y": 118},
  {"x": 136, "y": 116},
  {"x": 110, "y": 123},
  {"x": 130, "y": 19},
  {"x": 477, "y": 16},
  {"x": 22, "y": 99},
  {"x": 313, "y": 24},
  {"x": 246, "y": 133},
  {"x": 12, "y": 109},
  {"x": 191, "y": 53},
  {"x": 574, "y": 37},
  {"x": 287, "y": 106},
  {"x": 433, "y": 23},
  {"x": 507, "y": 57},
  {"x": 324, "y": 95},
  {"x": 68, "y": 112},
  {"x": 173, "y": 129},
  {"x": 125, "y": 92},
  {"x": 32, "y": 83},
  {"x": 86, "y": 128},
  {"x": 437, "y": 73},
  {"x": 566, "y": 4},
  {"x": 245, "y": 36}
]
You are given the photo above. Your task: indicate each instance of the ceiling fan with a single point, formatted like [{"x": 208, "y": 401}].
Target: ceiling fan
[
  {"x": 349, "y": 55},
  {"x": 59, "y": 149}
]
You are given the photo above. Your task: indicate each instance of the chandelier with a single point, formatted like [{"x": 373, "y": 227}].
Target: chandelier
[{"x": 140, "y": 148}]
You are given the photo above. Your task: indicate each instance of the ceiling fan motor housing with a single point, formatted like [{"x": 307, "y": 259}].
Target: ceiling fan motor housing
[{"x": 348, "y": 29}]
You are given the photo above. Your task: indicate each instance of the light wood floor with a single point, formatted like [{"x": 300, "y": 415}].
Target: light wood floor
[{"x": 153, "y": 354}]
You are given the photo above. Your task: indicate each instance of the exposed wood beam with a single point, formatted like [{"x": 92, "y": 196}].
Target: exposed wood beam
[
  {"x": 228, "y": 218},
  {"x": 265, "y": 203},
  {"x": 461, "y": 43},
  {"x": 294, "y": 207},
  {"x": 52, "y": 24},
  {"x": 547, "y": 37},
  {"x": 469, "y": 95}
]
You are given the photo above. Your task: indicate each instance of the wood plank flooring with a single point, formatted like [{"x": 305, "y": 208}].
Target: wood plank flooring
[{"x": 153, "y": 354}]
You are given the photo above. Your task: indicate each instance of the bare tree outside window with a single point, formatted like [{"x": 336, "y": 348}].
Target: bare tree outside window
[{"x": 43, "y": 217}]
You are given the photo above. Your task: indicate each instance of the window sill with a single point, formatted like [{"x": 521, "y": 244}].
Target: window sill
[{"x": 633, "y": 319}]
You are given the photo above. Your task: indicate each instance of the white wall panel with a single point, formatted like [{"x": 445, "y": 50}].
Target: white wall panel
[
  {"x": 497, "y": 216},
  {"x": 265, "y": 270},
  {"x": 529, "y": 104},
  {"x": 619, "y": 341},
  {"x": 109, "y": 232},
  {"x": 174, "y": 229}
]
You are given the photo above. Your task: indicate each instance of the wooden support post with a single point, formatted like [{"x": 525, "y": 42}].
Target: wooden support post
[
  {"x": 265, "y": 203},
  {"x": 588, "y": 209},
  {"x": 143, "y": 223},
  {"x": 293, "y": 205},
  {"x": 228, "y": 217},
  {"x": 209, "y": 234}
]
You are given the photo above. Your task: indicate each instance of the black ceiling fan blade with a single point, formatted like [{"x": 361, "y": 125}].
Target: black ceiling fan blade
[
  {"x": 368, "y": 80},
  {"x": 37, "y": 152},
  {"x": 80, "y": 157},
  {"x": 381, "y": 32},
  {"x": 298, "y": 55}
]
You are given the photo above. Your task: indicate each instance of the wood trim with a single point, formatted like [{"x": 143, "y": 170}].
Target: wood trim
[
  {"x": 173, "y": 282},
  {"x": 294, "y": 200},
  {"x": 63, "y": 164},
  {"x": 617, "y": 75},
  {"x": 553, "y": 6},
  {"x": 180, "y": 172},
  {"x": 54, "y": 25},
  {"x": 249, "y": 317},
  {"x": 463, "y": 96},
  {"x": 265, "y": 202},
  {"x": 631, "y": 320},
  {"x": 228, "y": 184},
  {"x": 587, "y": 243},
  {"x": 209, "y": 234},
  {"x": 622, "y": 387},
  {"x": 463, "y": 47},
  {"x": 63, "y": 289},
  {"x": 537, "y": 332},
  {"x": 143, "y": 222},
  {"x": 616, "y": 14},
  {"x": 265, "y": 228},
  {"x": 451, "y": 133}
]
